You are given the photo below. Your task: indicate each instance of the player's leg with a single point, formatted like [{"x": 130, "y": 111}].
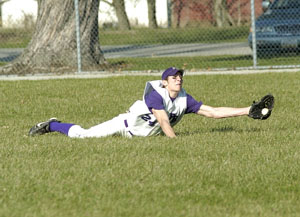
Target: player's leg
[
  {"x": 43, "y": 127},
  {"x": 108, "y": 128},
  {"x": 111, "y": 127}
]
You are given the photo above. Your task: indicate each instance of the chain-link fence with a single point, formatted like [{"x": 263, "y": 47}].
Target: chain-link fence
[
  {"x": 276, "y": 33},
  {"x": 93, "y": 35}
]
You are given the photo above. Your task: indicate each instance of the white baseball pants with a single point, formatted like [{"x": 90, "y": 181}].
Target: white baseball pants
[{"x": 117, "y": 125}]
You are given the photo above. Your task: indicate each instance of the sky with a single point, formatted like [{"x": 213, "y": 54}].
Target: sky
[{"x": 14, "y": 10}]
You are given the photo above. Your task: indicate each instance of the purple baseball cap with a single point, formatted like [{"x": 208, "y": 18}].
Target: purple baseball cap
[{"x": 170, "y": 72}]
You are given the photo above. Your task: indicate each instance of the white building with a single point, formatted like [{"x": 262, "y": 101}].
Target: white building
[{"x": 13, "y": 12}]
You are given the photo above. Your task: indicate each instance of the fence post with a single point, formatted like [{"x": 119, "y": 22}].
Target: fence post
[
  {"x": 254, "y": 53},
  {"x": 78, "y": 36}
]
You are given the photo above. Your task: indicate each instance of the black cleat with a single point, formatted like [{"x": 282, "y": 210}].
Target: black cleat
[{"x": 42, "y": 128}]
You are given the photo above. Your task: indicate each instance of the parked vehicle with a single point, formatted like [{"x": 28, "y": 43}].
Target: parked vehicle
[{"x": 278, "y": 28}]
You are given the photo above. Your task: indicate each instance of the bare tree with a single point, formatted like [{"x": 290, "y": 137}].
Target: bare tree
[
  {"x": 53, "y": 45},
  {"x": 1, "y": 4},
  {"x": 178, "y": 6},
  {"x": 235, "y": 7},
  {"x": 239, "y": 13},
  {"x": 38, "y": 4},
  {"x": 152, "y": 13},
  {"x": 119, "y": 7},
  {"x": 221, "y": 14}
]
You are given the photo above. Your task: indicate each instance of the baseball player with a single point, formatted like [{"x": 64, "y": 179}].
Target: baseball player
[{"x": 164, "y": 104}]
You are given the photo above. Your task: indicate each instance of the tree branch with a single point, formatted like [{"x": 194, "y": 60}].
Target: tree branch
[{"x": 107, "y": 2}]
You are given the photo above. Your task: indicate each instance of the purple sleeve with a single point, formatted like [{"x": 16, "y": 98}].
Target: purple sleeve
[
  {"x": 154, "y": 100},
  {"x": 193, "y": 106}
]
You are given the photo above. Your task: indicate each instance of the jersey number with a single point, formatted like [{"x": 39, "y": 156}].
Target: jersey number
[
  {"x": 172, "y": 118},
  {"x": 148, "y": 118}
]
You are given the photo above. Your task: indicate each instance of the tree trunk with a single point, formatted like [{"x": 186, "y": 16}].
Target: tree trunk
[
  {"x": 123, "y": 21},
  {"x": 239, "y": 14},
  {"x": 38, "y": 5},
  {"x": 228, "y": 18},
  {"x": 1, "y": 21},
  {"x": 218, "y": 13},
  {"x": 152, "y": 14},
  {"x": 178, "y": 7},
  {"x": 1, "y": 4},
  {"x": 53, "y": 45},
  {"x": 221, "y": 14}
]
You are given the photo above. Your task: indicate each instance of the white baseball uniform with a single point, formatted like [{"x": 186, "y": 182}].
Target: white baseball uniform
[{"x": 138, "y": 121}]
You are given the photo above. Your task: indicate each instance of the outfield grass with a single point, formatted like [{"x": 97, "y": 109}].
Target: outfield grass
[
  {"x": 142, "y": 36},
  {"x": 198, "y": 62},
  {"x": 19, "y": 38},
  {"x": 227, "y": 167},
  {"x": 201, "y": 62}
]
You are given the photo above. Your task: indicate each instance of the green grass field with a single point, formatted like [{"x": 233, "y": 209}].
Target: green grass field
[
  {"x": 18, "y": 37},
  {"x": 172, "y": 36},
  {"x": 228, "y": 167},
  {"x": 202, "y": 62}
]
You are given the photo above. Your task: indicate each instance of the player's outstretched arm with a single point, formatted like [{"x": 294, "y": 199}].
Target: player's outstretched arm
[
  {"x": 222, "y": 112},
  {"x": 164, "y": 122}
]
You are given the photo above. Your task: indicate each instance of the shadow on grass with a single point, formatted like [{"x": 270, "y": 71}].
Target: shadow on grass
[
  {"x": 266, "y": 56},
  {"x": 224, "y": 129},
  {"x": 232, "y": 58}
]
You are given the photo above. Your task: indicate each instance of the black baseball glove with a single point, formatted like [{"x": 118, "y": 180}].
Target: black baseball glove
[{"x": 263, "y": 108}]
